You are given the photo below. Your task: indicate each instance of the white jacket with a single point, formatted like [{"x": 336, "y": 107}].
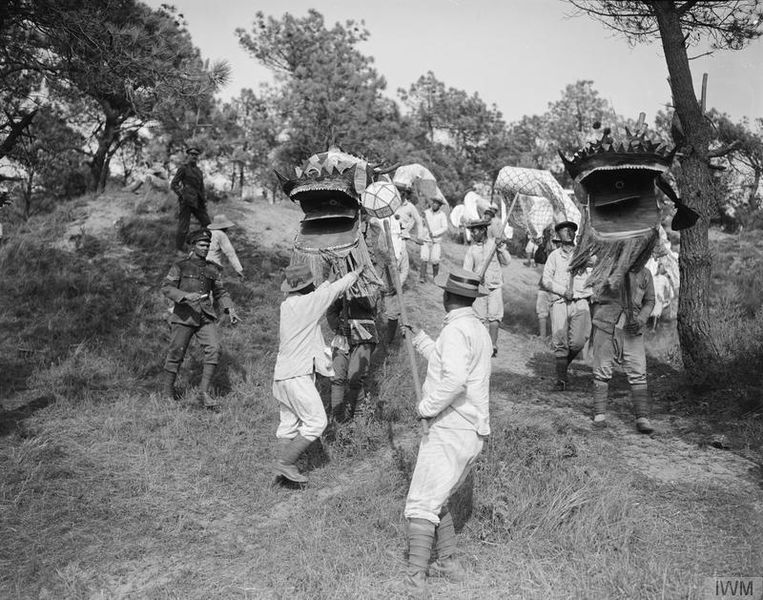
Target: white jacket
[
  {"x": 301, "y": 349},
  {"x": 456, "y": 392}
]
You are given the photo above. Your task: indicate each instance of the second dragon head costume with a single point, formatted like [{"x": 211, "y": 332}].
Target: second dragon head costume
[
  {"x": 621, "y": 181},
  {"x": 328, "y": 188}
]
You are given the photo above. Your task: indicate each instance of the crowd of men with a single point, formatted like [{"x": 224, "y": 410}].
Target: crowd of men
[{"x": 454, "y": 402}]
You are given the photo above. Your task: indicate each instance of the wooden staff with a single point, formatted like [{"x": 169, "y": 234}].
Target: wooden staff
[
  {"x": 404, "y": 317},
  {"x": 483, "y": 270}
]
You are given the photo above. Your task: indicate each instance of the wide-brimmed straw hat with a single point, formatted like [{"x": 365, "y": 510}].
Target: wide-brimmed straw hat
[
  {"x": 298, "y": 277},
  {"x": 220, "y": 222},
  {"x": 462, "y": 283}
]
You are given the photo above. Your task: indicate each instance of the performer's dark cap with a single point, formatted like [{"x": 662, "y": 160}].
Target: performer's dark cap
[
  {"x": 462, "y": 283},
  {"x": 571, "y": 224},
  {"x": 298, "y": 277},
  {"x": 474, "y": 223},
  {"x": 193, "y": 150},
  {"x": 199, "y": 234}
]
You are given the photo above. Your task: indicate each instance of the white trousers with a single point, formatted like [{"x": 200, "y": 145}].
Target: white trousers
[
  {"x": 300, "y": 408},
  {"x": 430, "y": 252},
  {"x": 445, "y": 456}
]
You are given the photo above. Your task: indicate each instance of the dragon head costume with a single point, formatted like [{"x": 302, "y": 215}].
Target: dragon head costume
[
  {"x": 620, "y": 183},
  {"x": 328, "y": 188}
]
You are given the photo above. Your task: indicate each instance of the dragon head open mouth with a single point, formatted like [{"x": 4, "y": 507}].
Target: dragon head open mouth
[
  {"x": 622, "y": 210},
  {"x": 327, "y": 187},
  {"x": 620, "y": 183}
]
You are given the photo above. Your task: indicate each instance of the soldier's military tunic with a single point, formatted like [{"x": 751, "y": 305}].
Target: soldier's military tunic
[{"x": 194, "y": 274}]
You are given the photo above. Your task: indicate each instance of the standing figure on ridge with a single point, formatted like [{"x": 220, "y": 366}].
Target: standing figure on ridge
[{"x": 188, "y": 184}]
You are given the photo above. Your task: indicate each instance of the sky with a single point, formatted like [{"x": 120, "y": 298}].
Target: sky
[{"x": 516, "y": 54}]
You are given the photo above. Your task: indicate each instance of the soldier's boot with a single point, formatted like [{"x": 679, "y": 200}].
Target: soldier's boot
[
  {"x": 337, "y": 402},
  {"x": 420, "y": 538},
  {"x": 435, "y": 269},
  {"x": 561, "y": 374},
  {"x": 543, "y": 327},
  {"x": 641, "y": 401},
  {"x": 168, "y": 385},
  {"x": 600, "y": 393},
  {"x": 572, "y": 355},
  {"x": 207, "y": 400},
  {"x": 423, "y": 271},
  {"x": 350, "y": 404},
  {"x": 287, "y": 457},
  {"x": 389, "y": 334},
  {"x": 447, "y": 565}
]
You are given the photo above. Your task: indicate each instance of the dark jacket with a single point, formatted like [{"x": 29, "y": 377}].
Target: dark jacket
[
  {"x": 352, "y": 317},
  {"x": 606, "y": 309},
  {"x": 195, "y": 274},
  {"x": 188, "y": 184}
]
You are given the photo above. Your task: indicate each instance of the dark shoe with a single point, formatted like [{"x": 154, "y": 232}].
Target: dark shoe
[
  {"x": 644, "y": 426},
  {"x": 290, "y": 472},
  {"x": 560, "y": 386},
  {"x": 168, "y": 385},
  {"x": 600, "y": 424},
  {"x": 209, "y": 403},
  {"x": 415, "y": 586},
  {"x": 450, "y": 568},
  {"x": 495, "y": 352}
]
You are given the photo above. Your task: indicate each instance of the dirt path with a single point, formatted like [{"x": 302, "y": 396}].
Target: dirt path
[{"x": 523, "y": 357}]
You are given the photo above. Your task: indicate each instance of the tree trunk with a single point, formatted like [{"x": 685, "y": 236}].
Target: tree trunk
[
  {"x": 753, "y": 199},
  {"x": 695, "y": 187},
  {"x": 99, "y": 167},
  {"x": 28, "y": 189}
]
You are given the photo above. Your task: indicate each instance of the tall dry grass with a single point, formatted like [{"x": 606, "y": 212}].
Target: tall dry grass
[{"x": 112, "y": 492}]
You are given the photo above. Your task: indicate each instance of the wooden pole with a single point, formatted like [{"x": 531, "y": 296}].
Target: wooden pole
[
  {"x": 483, "y": 270},
  {"x": 395, "y": 274}
]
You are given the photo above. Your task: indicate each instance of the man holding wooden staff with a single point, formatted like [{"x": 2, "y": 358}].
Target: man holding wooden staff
[
  {"x": 489, "y": 309},
  {"x": 454, "y": 404}
]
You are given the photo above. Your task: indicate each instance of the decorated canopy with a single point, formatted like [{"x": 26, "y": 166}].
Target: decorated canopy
[
  {"x": 420, "y": 180},
  {"x": 542, "y": 201}
]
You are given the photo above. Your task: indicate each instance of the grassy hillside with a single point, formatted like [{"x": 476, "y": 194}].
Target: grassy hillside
[{"x": 109, "y": 491}]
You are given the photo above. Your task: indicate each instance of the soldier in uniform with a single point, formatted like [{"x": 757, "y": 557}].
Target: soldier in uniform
[
  {"x": 188, "y": 184},
  {"x": 191, "y": 285}
]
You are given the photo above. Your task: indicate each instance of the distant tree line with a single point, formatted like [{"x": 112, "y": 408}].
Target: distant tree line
[{"x": 85, "y": 83}]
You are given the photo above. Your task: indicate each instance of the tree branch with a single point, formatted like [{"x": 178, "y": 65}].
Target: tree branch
[
  {"x": 685, "y": 7},
  {"x": 17, "y": 128},
  {"x": 724, "y": 150}
]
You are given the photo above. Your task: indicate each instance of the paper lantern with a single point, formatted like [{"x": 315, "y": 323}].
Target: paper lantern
[{"x": 381, "y": 199}]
